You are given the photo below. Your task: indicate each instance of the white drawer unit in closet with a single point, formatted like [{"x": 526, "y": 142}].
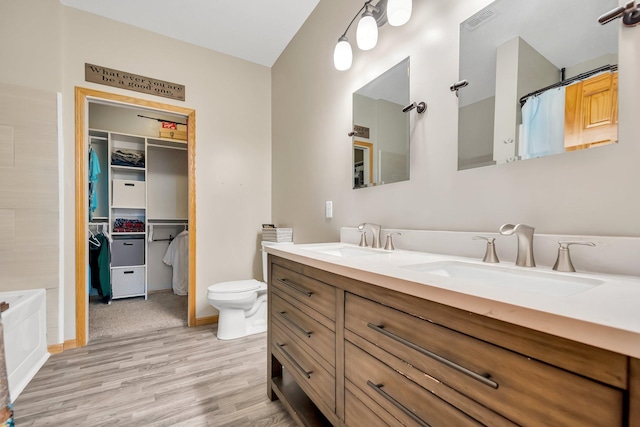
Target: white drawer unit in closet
[
  {"x": 129, "y": 194},
  {"x": 127, "y": 282}
]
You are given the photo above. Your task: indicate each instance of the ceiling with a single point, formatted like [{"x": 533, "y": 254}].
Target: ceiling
[{"x": 254, "y": 30}]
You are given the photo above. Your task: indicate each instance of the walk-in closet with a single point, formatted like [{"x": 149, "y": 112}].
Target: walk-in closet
[{"x": 137, "y": 212}]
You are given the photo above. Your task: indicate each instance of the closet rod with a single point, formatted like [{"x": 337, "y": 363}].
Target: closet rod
[
  {"x": 569, "y": 81},
  {"x": 151, "y": 225},
  {"x": 166, "y": 146},
  {"x": 161, "y": 120}
]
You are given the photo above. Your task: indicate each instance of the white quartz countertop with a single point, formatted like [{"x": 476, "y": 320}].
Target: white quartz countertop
[{"x": 605, "y": 316}]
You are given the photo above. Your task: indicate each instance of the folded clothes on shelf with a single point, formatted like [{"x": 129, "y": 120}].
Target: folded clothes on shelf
[
  {"x": 123, "y": 225},
  {"x": 128, "y": 158}
]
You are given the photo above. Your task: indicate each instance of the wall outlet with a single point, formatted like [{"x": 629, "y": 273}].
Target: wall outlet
[{"x": 328, "y": 209}]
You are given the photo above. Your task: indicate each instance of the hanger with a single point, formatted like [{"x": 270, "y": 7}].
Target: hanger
[
  {"x": 93, "y": 240},
  {"x": 105, "y": 232}
]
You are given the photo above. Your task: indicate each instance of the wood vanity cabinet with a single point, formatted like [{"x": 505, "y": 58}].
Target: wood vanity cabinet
[{"x": 347, "y": 353}]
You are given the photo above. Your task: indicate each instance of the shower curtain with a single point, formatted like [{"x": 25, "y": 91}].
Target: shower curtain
[{"x": 543, "y": 124}]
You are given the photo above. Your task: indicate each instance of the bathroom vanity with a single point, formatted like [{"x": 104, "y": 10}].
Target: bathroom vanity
[{"x": 355, "y": 339}]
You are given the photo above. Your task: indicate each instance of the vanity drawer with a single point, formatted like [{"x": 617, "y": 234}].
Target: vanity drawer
[
  {"x": 310, "y": 292},
  {"x": 316, "y": 381},
  {"x": 357, "y": 413},
  {"x": 519, "y": 388},
  {"x": 401, "y": 397},
  {"x": 127, "y": 282},
  {"x": 307, "y": 330}
]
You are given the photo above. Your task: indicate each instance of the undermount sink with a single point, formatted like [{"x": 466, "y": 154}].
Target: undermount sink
[
  {"x": 343, "y": 250},
  {"x": 528, "y": 280}
]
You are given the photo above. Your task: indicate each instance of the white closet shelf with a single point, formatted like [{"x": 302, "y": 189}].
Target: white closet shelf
[
  {"x": 127, "y": 168},
  {"x": 128, "y": 233},
  {"x": 173, "y": 145}
]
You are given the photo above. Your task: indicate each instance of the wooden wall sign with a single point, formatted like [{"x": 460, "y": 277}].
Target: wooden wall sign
[{"x": 124, "y": 80}]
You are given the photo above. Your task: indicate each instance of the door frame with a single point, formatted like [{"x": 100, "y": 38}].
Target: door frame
[
  {"x": 82, "y": 98},
  {"x": 367, "y": 147}
]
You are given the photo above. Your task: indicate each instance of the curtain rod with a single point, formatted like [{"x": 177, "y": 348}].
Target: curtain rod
[{"x": 569, "y": 81}]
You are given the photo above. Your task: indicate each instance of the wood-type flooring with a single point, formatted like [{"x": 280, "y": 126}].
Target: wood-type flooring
[{"x": 173, "y": 377}]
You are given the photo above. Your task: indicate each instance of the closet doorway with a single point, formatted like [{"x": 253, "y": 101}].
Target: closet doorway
[{"x": 128, "y": 177}]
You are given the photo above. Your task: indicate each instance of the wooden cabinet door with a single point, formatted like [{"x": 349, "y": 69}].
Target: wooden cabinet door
[{"x": 591, "y": 112}]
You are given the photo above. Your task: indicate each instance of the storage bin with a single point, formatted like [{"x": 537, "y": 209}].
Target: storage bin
[
  {"x": 129, "y": 194},
  {"x": 127, "y": 252},
  {"x": 127, "y": 281}
]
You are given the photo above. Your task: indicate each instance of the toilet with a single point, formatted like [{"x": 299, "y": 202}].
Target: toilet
[{"x": 242, "y": 304}]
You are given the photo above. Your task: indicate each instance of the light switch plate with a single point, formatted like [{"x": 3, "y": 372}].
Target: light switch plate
[{"x": 328, "y": 209}]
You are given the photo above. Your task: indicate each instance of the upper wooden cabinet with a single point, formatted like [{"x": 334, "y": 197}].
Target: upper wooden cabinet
[{"x": 591, "y": 112}]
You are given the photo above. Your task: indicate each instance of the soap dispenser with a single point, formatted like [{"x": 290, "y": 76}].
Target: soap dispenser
[{"x": 490, "y": 255}]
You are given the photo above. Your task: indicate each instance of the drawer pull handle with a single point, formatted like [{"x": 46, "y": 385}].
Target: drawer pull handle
[
  {"x": 283, "y": 314},
  {"x": 129, "y": 185},
  {"x": 128, "y": 244},
  {"x": 483, "y": 379},
  {"x": 128, "y": 272},
  {"x": 296, "y": 364},
  {"x": 296, "y": 287},
  {"x": 394, "y": 402}
]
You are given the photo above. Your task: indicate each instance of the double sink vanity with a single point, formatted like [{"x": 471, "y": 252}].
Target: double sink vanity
[{"x": 361, "y": 336}]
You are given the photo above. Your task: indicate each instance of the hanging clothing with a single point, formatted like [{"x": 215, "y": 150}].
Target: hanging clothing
[
  {"x": 177, "y": 256},
  {"x": 543, "y": 124},
  {"x": 99, "y": 260},
  {"x": 94, "y": 171}
]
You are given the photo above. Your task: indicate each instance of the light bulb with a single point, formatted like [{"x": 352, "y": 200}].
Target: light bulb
[
  {"x": 342, "y": 55},
  {"x": 367, "y": 32},
  {"x": 398, "y": 12}
]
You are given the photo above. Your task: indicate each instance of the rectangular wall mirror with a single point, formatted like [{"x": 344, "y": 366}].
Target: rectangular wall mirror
[
  {"x": 542, "y": 80},
  {"x": 381, "y": 129}
]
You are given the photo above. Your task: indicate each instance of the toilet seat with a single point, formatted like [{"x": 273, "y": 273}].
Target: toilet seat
[
  {"x": 235, "y": 290},
  {"x": 234, "y": 286}
]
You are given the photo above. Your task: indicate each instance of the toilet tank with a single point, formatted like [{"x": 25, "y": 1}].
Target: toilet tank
[{"x": 265, "y": 265}]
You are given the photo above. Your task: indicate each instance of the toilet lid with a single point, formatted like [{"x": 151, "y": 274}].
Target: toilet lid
[{"x": 235, "y": 286}]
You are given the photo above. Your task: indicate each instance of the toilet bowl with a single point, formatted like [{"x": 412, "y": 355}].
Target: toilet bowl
[{"x": 242, "y": 304}]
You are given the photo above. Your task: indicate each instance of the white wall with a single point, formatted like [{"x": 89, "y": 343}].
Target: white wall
[
  {"x": 30, "y": 44},
  {"x": 45, "y": 45},
  {"x": 31, "y": 65},
  {"x": 588, "y": 192}
]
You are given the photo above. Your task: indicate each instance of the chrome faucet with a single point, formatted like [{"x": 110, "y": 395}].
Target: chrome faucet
[
  {"x": 375, "y": 231},
  {"x": 524, "y": 233}
]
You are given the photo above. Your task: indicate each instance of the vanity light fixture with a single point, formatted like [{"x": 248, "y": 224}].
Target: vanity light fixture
[
  {"x": 396, "y": 12},
  {"x": 367, "y": 31}
]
